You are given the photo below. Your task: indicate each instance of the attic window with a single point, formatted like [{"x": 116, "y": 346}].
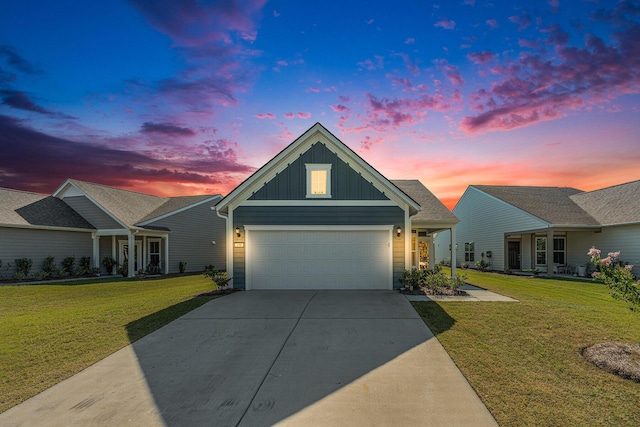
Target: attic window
[{"x": 318, "y": 180}]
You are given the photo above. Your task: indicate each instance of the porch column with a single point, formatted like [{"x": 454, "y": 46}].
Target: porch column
[
  {"x": 166, "y": 254},
  {"x": 416, "y": 248},
  {"x": 549, "y": 252},
  {"x": 144, "y": 253},
  {"x": 432, "y": 253},
  {"x": 113, "y": 246},
  {"x": 132, "y": 254},
  {"x": 96, "y": 249},
  {"x": 454, "y": 253}
]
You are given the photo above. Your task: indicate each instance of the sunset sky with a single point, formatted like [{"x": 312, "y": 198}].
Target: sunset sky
[{"x": 190, "y": 97}]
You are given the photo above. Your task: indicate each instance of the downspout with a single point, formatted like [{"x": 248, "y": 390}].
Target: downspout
[{"x": 228, "y": 241}]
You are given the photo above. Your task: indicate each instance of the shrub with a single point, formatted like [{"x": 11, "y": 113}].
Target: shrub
[
  {"x": 412, "y": 278},
  {"x": 182, "y": 266},
  {"x": 616, "y": 276},
  {"x": 48, "y": 267},
  {"x": 23, "y": 266},
  {"x": 124, "y": 269},
  {"x": 84, "y": 266},
  {"x": 483, "y": 265},
  {"x": 219, "y": 277},
  {"x": 67, "y": 265},
  {"x": 109, "y": 263}
]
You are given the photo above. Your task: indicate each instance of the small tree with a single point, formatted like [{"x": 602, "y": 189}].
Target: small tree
[{"x": 616, "y": 276}]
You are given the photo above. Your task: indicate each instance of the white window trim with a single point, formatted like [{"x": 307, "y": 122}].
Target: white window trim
[
  {"x": 551, "y": 249},
  {"x": 318, "y": 167},
  {"x": 159, "y": 253}
]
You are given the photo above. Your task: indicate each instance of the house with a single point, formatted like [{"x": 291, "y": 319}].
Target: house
[
  {"x": 85, "y": 219},
  {"x": 526, "y": 228},
  {"x": 317, "y": 216}
]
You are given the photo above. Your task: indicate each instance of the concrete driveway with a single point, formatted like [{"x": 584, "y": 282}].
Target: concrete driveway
[{"x": 261, "y": 358}]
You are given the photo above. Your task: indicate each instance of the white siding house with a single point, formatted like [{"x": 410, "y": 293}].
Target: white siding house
[{"x": 510, "y": 226}]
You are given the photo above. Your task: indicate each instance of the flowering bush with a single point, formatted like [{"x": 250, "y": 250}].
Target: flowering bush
[{"x": 615, "y": 276}]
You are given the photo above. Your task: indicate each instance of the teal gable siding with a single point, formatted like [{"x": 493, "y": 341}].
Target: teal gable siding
[{"x": 346, "y": 183}]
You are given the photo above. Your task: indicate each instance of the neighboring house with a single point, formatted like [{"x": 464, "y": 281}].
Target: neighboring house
[
  {"x": 526, "y": 228},
  {"x": 86, "y": 219},
  {"x": 317, "y": 216}
]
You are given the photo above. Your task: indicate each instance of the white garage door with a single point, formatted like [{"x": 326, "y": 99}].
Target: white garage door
[{"x": 319, "y": 259}]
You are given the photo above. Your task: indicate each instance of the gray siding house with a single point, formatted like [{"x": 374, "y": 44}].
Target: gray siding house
[
  {"x": 526, "y": 228},
  {"x": 86, "y": 219},
  {"x": 317, "y": 216}
]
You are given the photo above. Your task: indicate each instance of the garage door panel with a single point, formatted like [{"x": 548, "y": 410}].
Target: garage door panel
[{"x": 303, "y": 259}]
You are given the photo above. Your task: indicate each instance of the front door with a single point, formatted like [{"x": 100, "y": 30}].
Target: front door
[{"x": 514, "y": 255}]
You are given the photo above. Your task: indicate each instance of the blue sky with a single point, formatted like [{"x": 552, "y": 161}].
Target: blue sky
[{"x": 191, "y": 97}]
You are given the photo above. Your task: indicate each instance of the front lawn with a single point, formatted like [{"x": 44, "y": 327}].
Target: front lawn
[
  {"x": 523, "y": 359},
  {"x": 50, "y": 332}
]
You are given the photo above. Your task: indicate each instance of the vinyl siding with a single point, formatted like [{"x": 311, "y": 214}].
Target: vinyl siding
[
  {"x": 92, "y": 213},
  {"x": 37, "y": 244},
  {"x": 484, "y": 221},
  {"x": 191, "y": 237},
  {"x": 623, "y": 238},
  {"x": 291, "y": 183}
]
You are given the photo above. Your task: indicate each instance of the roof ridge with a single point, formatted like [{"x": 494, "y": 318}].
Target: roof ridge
[
  {"x": 117, "y": 188},
  {"x": 24, "y": 191},
  {"x": 611, "y": 186}
]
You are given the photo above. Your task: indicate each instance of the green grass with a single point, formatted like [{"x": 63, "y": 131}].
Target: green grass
[
  {"x": 50, "y": 332},
  {"x": 523, "y": 359}
]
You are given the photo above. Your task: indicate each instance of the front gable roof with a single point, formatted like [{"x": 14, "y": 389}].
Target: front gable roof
[
  {"x": 130, "y": 208},
  {"x": 317, "y": 133},
  {"x": 553, "y": 205}
]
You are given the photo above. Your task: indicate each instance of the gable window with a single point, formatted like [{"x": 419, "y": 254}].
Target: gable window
[
  {"x": 318, "y": 180},
  {"x": 469, "y": 252}
]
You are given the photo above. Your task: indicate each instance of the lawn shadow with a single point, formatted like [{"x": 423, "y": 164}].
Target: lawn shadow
[
  {"x": 436, "y": 318},
  {"x": 147, "y": 324}
]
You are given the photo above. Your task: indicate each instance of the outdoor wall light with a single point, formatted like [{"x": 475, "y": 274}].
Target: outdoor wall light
[
  {"x": 398, "y": 231},
  {"x": 238, "y": 231}
]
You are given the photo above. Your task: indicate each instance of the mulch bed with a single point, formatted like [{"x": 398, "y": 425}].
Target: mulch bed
[
  {"x": 437, "y": 291},
  {"x": 218, "y": 292},
  {"x": 618, "y": 358}
]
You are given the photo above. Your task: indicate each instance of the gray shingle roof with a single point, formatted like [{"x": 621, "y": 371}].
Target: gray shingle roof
[
  {"x": 128, "y": 206},
  {"x": 619, "y": 204},
  {"x": 433, "y": 211},
  {"x": 25, "y": 208},
  {"x": 175, "y": 203},
  {"x": 551, "y": 204},
  {"x": 131, "y": 207}
]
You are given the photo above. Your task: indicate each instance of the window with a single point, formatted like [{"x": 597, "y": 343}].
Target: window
[
  {"x": 541, "y": 251},
  {"x": 469, "y": 254},
  {"x": 154, "y": 253},
  {"x": 559, "y": 250},
  {"x": 318, "y": 180}
]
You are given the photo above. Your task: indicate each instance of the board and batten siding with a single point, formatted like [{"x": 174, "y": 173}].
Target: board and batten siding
[
  {"x": 193, "y": 232},
  {"x": 317, "y": 215},
  {"x": 484, "y": 220},
  {"x": 35, "y": 244},
  {"x": 92, "y": 213},
  {"x": 291, "y": 183},
  {"x": 623, "y": 238}
]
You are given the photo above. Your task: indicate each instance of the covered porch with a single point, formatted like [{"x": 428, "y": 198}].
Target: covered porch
[
  {"x": 150, "y": 250},
  {"x": 556, "y": 250},
  {"x": 423, "y": 253}
]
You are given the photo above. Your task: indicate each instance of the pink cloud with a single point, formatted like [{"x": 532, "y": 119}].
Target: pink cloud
[
  {"x": 376, "y": 63},
  {"x": 269, "y": 116},
  {"x": 411, "y": 66},
  {"x": 410, "y": 40},
  {"x": 314, "y": 89},
  {"x": 523, "y": 20},
  {"x": 289, "y": 116},
  {"x": 339, "y": 108},
  {"x": 492, "y": 23},
  {"x": 481, "y": 58},
  {"x": 445, "y": 23},
  {"x": 306, "y": 115}
]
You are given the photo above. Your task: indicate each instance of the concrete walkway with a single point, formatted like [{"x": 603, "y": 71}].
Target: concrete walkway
[
  {"x": 263, "y": 358},
  {"x": 474, "y": 294}
]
